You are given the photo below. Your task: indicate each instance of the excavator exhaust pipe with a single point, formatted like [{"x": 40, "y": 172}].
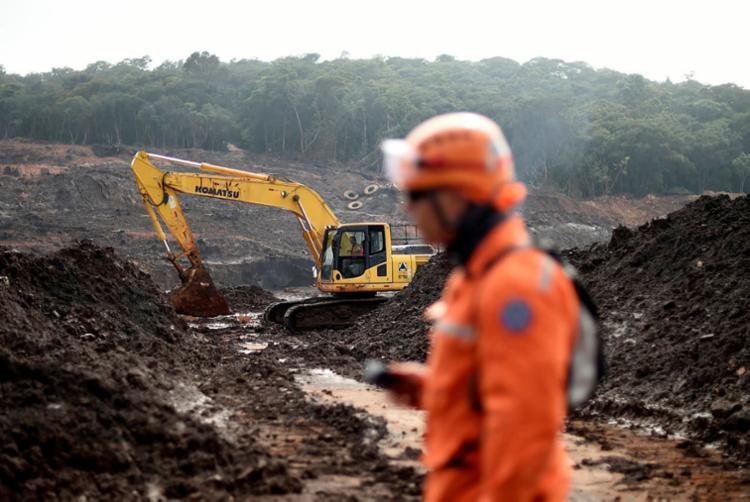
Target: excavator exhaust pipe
[{"x": 197, "y": 296}]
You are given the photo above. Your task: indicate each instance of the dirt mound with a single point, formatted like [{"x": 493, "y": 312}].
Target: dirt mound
[
  {"x": 674, "y": 296},
  {"x": 570, "y": 222},
  {"x": 85, "y": 292},
  {"x": 248, "y": 297},
  {"x": 92, "y": 360},
  {"x": 397, "y": 331}
]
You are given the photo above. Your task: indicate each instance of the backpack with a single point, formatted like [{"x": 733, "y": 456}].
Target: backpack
[{"x": 587, "y": 366}]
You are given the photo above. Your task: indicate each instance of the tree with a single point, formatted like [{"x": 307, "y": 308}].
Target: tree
[
  {"x": 77, "y": 113},
  {"x": 711, "y": 149},
  {"x": 741, "y": 167},
  {"x": 587, "y": 132},
  {"x": 201, "y": 64}
]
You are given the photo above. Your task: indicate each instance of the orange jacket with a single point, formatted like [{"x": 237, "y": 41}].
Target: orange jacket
[{"x": 495, "y": 389}]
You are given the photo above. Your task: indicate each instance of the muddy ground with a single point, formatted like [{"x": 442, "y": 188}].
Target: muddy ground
[
  {"x": 675, "y": 323},
  {"x": 109, "y": 394},
  {"x": 674, "y": 296}
]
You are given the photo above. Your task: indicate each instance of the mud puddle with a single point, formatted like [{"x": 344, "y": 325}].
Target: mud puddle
[
  {"x": 188, "y": 399},
  {"x": 245, "y": 320},
  {"x": 610, "y": 463},
  {"x": 405, "y": 427}
]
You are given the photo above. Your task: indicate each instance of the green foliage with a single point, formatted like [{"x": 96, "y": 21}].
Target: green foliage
[{"x": 584, "y": 131}]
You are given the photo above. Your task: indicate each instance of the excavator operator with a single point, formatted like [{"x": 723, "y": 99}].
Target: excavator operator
[{"x": 494, "y": 385}]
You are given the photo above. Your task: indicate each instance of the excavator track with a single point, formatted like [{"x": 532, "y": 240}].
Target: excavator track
[{"x": 320, "y": 312}]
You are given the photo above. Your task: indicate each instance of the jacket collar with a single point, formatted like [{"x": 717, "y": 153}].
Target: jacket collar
[
  {"x": 476, "y": 223},
  {"x": 509, "y": 233}
]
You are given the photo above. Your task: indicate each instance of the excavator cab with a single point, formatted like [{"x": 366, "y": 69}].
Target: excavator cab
[
  {"x": 361, "y": 258},
  {"x": 351, "y": 251},
  {"x": 358, "y": 260}
]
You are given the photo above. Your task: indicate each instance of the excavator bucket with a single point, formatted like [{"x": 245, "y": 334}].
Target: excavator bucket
[{"x": 197, "y": 296}]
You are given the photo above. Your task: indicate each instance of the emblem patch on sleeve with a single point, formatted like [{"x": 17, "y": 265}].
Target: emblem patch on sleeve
[{"x": 515, "y": 316}]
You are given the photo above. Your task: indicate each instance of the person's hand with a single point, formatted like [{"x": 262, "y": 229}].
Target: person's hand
[{"x": 406, "y": 383}]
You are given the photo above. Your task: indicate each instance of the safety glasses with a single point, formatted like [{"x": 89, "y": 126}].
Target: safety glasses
[{"x": 417, "y": 195}]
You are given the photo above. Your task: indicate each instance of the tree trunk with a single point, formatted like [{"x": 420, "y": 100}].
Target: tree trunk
[
  {"x": 301, "y": 131},
  {"x": 283, "y": 134},
  {"x": 364, "y": 131},
  {"x": 116, "y": 125}
]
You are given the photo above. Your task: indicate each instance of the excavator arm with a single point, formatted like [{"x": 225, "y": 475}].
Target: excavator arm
[{"x": 160, "y": 189}]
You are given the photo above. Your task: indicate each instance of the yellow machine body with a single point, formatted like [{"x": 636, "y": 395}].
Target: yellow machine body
[{"x": 352, "y": 258}]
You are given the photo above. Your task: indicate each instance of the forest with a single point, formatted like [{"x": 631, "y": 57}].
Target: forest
[{"x": 583, "y": 131}]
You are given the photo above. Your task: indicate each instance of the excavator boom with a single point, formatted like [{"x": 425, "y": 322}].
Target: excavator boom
[
  {"x": 355, "y": 261},
  {"x": 159, "y": 190}
]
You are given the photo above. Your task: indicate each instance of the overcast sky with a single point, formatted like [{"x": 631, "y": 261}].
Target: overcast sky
[{"x": 657, "y": 38}]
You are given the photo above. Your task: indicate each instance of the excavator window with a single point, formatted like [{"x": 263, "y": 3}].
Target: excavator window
[
  {"x": 351, "y": 253},
  {"x": 377, "y": 240},
  {"x": 328, "y": 256}
]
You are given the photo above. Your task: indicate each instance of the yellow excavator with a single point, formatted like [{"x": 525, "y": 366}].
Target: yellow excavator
[{"x": 353, "y": 261}]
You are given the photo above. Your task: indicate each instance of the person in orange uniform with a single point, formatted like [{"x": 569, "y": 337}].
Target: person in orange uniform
[{"x": 494, "y": 386}]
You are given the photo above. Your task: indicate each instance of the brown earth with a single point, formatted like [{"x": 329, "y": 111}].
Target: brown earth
[
  {"x": 675, "y": 324},
  {"x": 91, "y": 355},
  {"x": 674, "y": 296},
  {"x": 109, "y": 394},
  {"x": 248, "y": 298}
]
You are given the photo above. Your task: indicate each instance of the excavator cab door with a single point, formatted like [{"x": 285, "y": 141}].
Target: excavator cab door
[
  {"x": 377, "y": 253},
  {"x": 330, "y": 254}
]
